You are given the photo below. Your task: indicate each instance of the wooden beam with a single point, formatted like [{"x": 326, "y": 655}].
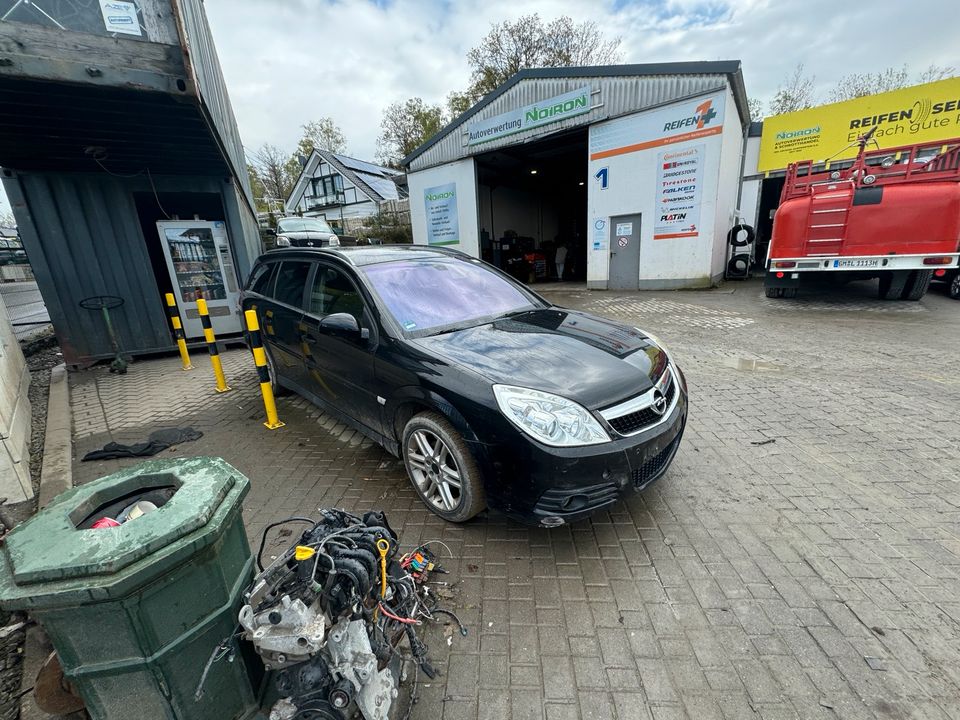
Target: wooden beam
[{"x": 49, "y": 54}]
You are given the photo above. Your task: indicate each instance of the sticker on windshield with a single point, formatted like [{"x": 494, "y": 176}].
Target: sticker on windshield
[{"x": 409, "y": 325}]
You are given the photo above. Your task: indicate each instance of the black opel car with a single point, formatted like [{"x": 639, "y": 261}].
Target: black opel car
[{"x": 490, "y": 394}]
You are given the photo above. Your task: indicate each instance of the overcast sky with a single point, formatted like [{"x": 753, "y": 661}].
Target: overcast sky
[{"x": 289, "y": 61}]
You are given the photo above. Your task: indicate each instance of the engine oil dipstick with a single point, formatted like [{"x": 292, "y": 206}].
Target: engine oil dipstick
[{"x": 384, "y": 547}]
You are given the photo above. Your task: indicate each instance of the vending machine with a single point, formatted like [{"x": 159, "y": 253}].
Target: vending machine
[{"x": 201, "y": 265}]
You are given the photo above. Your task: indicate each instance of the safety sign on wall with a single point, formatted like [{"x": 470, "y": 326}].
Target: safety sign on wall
[
  {"x": 599, "y": 234},
  {"x": 679, "y": 192},
  {"x": 443, "y": 224}
]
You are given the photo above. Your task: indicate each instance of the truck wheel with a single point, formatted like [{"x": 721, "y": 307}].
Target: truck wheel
[
  {"x": 772, "y": 292},
  {"x": 917, "y": 284},
  {"x": 954, "y": 288},
  {"x": 892, "y": 283},
  {"x": 789, "y": 292}
]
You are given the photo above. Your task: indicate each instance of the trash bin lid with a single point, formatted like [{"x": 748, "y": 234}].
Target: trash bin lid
[{"x": 51, "y": 547}]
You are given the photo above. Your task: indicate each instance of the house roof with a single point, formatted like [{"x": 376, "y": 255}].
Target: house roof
[
  {"x": 375, "y": 181},
  {"x": 731, "y": 68}
]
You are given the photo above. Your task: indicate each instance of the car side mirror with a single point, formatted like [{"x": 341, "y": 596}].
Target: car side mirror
[{"x": 344, "y": 325}]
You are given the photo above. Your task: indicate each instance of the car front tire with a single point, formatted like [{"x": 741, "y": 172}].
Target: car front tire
[
  {"x": 441, "y": 468},
  {"x": 954, "y": 288}
]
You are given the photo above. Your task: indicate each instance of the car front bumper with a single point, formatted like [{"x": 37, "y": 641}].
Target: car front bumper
[{"x": 550, "y": 486}]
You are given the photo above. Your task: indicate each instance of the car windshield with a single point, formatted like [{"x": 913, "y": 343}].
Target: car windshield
[
  {"x": 430, "y": 296},
  {"x": 303, "y": 225}
]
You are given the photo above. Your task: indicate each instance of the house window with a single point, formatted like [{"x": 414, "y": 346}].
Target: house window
[{"x": 328, "y": 190}]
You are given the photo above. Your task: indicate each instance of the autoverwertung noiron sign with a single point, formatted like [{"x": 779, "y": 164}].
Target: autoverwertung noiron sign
[{"x": 544, "y": 112}]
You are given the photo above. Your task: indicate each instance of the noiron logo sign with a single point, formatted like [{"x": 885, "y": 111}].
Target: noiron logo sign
[{"x": 560, "y": 107}]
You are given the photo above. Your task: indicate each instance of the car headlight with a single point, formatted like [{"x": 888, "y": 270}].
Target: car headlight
[
  {"x": 283, "y": 241},
  {"x": 334, "y": 241},
  {"x": 549, "y": 418}
]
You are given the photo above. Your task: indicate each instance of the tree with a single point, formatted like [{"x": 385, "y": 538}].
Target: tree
[
  {"x": 796, "y": 93},
  {"x": 405, "y": 126},
  {"x": 527, "y": 42},
  {"x": 7, "y": 220},
  {"x": 275, "y": 171},
  {"x": 936, "y": 72},
  {"x": 755, "y": 106},
  {"x": 321, "y": 134},
  {"x": 857, "y": 85}
]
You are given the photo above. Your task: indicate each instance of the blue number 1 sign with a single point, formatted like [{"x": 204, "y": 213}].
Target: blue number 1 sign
[{"x": 603, "y": 175}]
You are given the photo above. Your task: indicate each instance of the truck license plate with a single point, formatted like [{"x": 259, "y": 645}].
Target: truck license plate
[{"x": 864, "y": 263}]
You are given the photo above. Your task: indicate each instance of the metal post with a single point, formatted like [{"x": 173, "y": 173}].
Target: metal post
[
  {"x": 178, "y": 331},
  {"x": 212, "y": 346},
  {"x": 260, "y": 358}
]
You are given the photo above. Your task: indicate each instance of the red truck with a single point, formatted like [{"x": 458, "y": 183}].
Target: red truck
[{"x": 892, "y": 214}]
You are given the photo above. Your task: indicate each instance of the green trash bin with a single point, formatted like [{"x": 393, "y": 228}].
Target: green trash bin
[{"x": 135, "y": 611}]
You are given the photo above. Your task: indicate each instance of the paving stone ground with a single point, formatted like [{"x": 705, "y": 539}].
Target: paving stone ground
[{"x": 801, "y": 559}]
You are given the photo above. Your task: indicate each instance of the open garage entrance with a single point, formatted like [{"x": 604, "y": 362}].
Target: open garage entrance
[{"x": 532, "y": 207}]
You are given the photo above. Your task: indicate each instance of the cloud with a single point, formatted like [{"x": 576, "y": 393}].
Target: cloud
[{"x": 289, "y": 61}]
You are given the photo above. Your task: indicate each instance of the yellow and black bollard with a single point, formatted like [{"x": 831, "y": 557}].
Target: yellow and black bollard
[
  {"x": 212, "y": 346},
  {"x": 260, "y": 358},
  {"x": 178, "y": 331}
]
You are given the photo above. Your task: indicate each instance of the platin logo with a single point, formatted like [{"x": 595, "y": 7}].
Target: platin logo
[
  {"x": 669, "y": 217},
  {"x": 702, "y": 115}
]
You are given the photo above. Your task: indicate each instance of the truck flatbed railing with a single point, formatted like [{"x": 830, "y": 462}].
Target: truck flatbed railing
[{"x": 930, "y": 162}]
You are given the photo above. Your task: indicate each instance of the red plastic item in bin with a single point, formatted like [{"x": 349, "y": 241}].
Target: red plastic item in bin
[{"x": 104, "y": 522}]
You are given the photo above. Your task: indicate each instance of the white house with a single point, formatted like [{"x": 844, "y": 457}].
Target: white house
[{"x": 343, "y": 189}]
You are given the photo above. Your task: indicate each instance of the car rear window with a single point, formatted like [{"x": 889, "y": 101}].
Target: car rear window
[
  {"x": 261, "y": 277},
  {"x": 429, "y": 295},
  {"x": 291, "y": 280}
]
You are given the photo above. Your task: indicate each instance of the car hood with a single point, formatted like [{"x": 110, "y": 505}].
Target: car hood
[
  {"x": 307, "y": 235},
  {"x": 595, "y": 361}
]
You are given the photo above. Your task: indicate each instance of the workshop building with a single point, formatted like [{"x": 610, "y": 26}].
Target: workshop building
[{"x": 633, "y": 170}]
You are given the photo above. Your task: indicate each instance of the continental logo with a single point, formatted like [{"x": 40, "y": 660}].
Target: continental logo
[
  {"x": 918, "y": 114},
  {"x": 805, "y": 132},
  {"x": 702, "y": 116},
  {"x": 439, "y": 196}
]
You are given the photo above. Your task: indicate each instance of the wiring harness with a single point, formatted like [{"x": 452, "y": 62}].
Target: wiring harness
[{"x": 329, "y": 614}]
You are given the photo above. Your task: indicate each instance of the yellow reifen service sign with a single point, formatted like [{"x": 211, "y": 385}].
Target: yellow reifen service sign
[{"x": 918, "y": 114}]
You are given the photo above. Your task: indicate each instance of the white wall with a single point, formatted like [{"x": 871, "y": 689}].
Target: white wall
[
  {"x": 750, "y": 201},
  {"x": 676, "y": 262},
  {"x": 464, "y": 175},
  {"x": 15, "y": 416},
  {"x": 752, "y": 157}
]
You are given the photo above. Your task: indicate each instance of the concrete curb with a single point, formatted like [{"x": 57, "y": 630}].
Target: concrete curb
[{"x": 56, "y": 474}]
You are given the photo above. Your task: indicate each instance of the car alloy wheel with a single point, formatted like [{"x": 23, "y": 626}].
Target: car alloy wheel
[
  {"x": 955, "y": 287},
  {"x": 442, "y": 468},
  {"x": 434, "y": 470}
]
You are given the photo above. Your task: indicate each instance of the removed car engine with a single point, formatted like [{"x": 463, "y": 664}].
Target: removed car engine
[{"x": 328, "y": 615}]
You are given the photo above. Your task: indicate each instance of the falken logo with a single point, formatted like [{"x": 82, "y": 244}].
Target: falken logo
[{"x": 702, "y": 115}]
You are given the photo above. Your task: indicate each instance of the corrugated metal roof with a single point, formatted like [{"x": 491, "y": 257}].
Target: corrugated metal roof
[{"x": 618, "y": 90}]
